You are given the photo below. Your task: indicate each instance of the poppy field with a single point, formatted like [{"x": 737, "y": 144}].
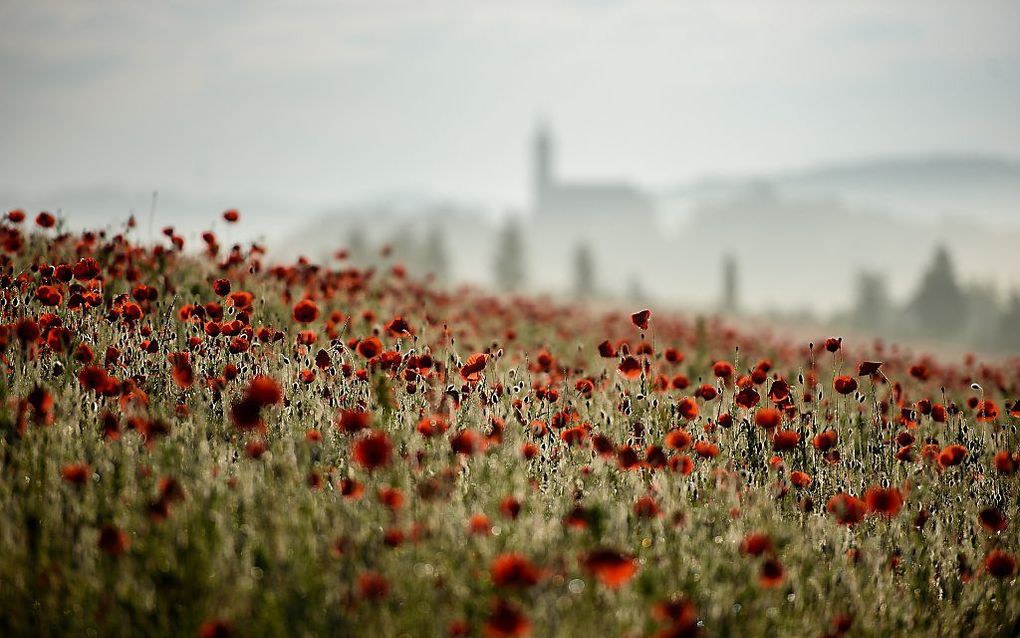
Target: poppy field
[{"x": 197, "y": 441}]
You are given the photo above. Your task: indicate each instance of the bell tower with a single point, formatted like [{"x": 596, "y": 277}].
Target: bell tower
[{"x": 542, "y": 165}]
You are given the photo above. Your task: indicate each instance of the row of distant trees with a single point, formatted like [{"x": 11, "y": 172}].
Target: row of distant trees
[{"x": 940, "y": 308}]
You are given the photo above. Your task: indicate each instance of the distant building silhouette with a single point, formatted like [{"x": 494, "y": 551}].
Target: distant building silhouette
[{"x": 582, "y": 201}]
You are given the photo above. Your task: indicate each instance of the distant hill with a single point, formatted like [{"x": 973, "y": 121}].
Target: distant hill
[{"x": 919, "y": 188}]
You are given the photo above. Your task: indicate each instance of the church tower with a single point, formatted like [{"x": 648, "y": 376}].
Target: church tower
[{"x": 542, "y": 159}]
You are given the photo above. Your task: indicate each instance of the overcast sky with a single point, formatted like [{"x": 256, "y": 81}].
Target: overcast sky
[{"x": 311, "y": 102}]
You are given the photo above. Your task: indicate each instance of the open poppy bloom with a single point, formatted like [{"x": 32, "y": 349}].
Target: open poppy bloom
[
  {"x": 884, "y": 501},
  {"x": 612, "y": 568}
]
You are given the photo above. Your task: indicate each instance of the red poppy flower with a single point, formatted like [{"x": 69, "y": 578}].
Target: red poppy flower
[
  {"x": 992, "y": 520},
  {"x": 465, "y": 442},
  {"x": 833, "y": 344},
  {"x": 884, "y": 501},
  {"x": 305, "y": 311},
  {"x": 825, "y": 440},
  {"x": 510, "y": 507},
  {"x": 506, "y": 621},
  {"x": 45, "y": 220},
  {"x": 768, "y": 418},
  {"x": 391, "y": 497},
  {"x": 987, "y": 411},
  {"x": 771, "y": 574},
  {"x": 868, "y": 368},
  {"x": 471, "y": 371},
  {"x": 952, "y": 455},
  {"x": 756, "y": 544},
  {"x": 513, "y": 570},
  {"x": 848, "y": 509},
  {"x": 678, "y": 439},
  {"x": 640, "y": 318},
  {"x": 722, "y": 369},
  {"x": 1000, "y": 564},
  {"x": 646, "y": 507},
  {"x": 747, "y": 398},
  {"x": 800, "y": 480},
  {"x": 1006, "y": 463},
  {"x": 630, "y": 367},
  {"x": 113, "y": 540},
  {"x": 215, "y": 628},
  {"x": 844, "y": 384},
  {"x": 77, "y": 474},
  {"x": 612, "y": 568},
  {"x": 706, "y": 450},
  {"x": 785, "y": 440},
  {"x": 706, "y": 392},
  {"x": 373, "y": 586},
  {"x": 606, "y": 350},
  {"x": 370, "y": 347},
  {"x": 372, "y": 451},
  {"x": 232, "y": 215},
  {"x": 264, "y": 391},
  {"x": 688, "y": 408}
]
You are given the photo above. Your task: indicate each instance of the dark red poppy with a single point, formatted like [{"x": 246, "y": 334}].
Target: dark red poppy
[
  {"x": 215, "y": 628},
  {"x": 884, "y": 501},
  {"x": 465, "y": 442},
  {"x": 640, "y": 318},
  {"x": 952, "y": 455},
  {"x": 372, "y": 451},
  {"x": 825, "y": 440},
  {"x": 77, "y": 474},
  {"x": 305, "y": 311},
  {"x": 706, "y": 450},
  {"x": 630, "y": 368},
  {"x": 513, "y": 570},
  {"x": 771, "y": 573},
  {"x": 722, "y": 369},
  {"x": 373, "y": 586},
  {"x": 848, "y": 509},
  {"x": 1000, "y": 564},
  {"x": 756, "y": 544},
  {"x": 768, "y": 418},
  {"x": 471, "y": 371},
  {"x": 611, "y": 567},
  {"x": 232, "y": 215},
  {"x": 688, "y": 408},
  {"x": 506, "y": 620},
  {"x": 800, "y": 480},
  {"x": 844, "y": 384},
  {"x": 264, "y": 391},
  {"x": 868, "y": 368},
  {"x": 785, "y": 440},
  {"x": 113, "y": 540},
  {"x": 992, "y": 520}
]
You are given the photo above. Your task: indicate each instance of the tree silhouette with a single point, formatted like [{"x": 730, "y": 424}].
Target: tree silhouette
[
  {"x": 436, "y": 261},
  {"x": 939, "y": 305},
  {"x": 584, "y": 271},
  {"x": 872, "y": 309},
  {"x": 730, "y": 289},
  {"x": 509, "y": 262}
]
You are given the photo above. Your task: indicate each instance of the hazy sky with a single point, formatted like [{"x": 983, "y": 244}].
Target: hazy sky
[{"x": 315, "y": 102}]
